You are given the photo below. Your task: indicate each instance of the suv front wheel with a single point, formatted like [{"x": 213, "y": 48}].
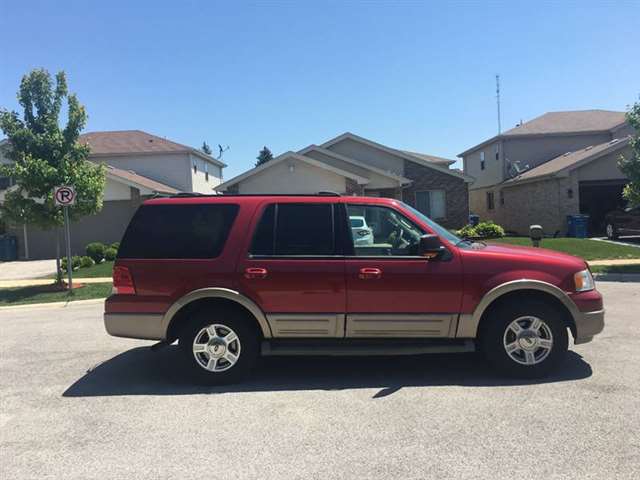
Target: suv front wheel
[
  {"x": 527, "y": 339},
  {"x": 220, "y": 346}
]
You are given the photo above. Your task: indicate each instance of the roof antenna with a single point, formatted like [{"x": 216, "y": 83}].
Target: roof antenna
[
  {"x": 498, "y": 102},
  {"x": 221, "y": 151}
]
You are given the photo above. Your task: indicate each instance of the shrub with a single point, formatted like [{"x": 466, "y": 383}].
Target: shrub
[
  {"x": 86, "y": 262},
  {"x": 489, "y": 230},
  {"x": 110, "y": 254},
  {"x": 96, "y": 250},
  {"x": 468, "y": 231},
  {"x": 115, "y": 246},
  {"x": 75, "y": 263}
]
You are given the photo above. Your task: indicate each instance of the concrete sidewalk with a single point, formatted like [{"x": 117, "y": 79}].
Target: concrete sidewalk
[
  {"x": 28, "y": 269},
  {"x": 34, "y": 282},
  {"x": 621, "y": 261}
]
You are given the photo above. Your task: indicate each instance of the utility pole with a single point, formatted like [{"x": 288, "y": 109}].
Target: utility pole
[{"x": 498, "y": 101}]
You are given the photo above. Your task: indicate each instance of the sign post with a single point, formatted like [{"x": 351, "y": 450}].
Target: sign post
[{"x": 65, "y": 196}]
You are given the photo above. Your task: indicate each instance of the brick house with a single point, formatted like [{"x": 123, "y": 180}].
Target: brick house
[
  {"x": 349, "y": 164},
  {"x": 557, "y": 164}
]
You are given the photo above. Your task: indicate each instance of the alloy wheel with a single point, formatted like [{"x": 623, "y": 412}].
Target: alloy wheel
[
  {"x": 528, "y": 340},
  {"x": 216, "y": 348}
]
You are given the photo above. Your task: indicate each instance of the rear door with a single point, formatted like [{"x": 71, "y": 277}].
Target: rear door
[{"x": 294, "y": 268}]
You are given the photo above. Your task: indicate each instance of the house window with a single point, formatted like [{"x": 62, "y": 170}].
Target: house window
[
  {"x": 432, "y": 203},
  {"x": 490, "y": 204},
  {"x": 195, "y": 165},
  {"x": 497, "y": 151},
  {"x": 481, "y": 160},
  {"x": 501, "y": 197},
  {"x": 206, "y": 171}
]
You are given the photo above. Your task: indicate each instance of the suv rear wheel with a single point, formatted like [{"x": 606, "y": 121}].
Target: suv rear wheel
[
  {"x": 220, "y": 346},
  {"x": 527, "y": 339}
]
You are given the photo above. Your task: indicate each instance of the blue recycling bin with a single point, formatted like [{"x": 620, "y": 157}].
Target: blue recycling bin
[
  {"x": 8, "y": 248},
  {"x": 474, "y": 219},
  {"x": 578, "y": 226}
]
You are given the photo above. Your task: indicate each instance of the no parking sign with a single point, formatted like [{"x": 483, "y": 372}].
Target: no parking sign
[{"x": 65, "y": 196}]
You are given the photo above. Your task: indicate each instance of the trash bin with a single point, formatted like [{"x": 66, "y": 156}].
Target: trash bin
[
  {"x": 474, "y": 220},
  {"x": 8, "y": 248},
  {"x": 577, "y": 226}
]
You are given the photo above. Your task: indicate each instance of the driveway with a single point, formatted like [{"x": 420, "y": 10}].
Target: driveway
[
  {"x": 26, "y": 269},
  {"x": 77, "y": 404}
]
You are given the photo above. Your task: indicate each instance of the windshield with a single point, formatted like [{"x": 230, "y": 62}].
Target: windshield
[
  {"x": 438, "y": 229},
  {"x": 357, "y": 222}
]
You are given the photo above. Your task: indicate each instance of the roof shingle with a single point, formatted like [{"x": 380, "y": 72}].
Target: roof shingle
[
  {"x": 146, "y": 182},
  {"x": 121, "y": 142},
  {"x": 569, "y": 160}
]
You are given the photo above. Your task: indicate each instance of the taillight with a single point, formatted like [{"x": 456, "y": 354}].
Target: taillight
[{"x": 123, "y": 281}]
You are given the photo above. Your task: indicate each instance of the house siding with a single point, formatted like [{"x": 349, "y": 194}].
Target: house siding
[
  {"x": 455, "y": 188},
  {"x": 108, "y": 226}
]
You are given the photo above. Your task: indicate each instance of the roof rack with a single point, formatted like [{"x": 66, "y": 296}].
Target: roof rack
[{"x": 195, "y": 194}]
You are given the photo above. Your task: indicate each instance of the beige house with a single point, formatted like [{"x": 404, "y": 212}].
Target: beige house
[
  {"x": 139, "y": 166},
  {"x": 350, "y": 164},
  {"x": 558, "y": 164}
]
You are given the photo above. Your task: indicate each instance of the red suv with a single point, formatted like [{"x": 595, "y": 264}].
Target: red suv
[{"x": 234, "y": 277}]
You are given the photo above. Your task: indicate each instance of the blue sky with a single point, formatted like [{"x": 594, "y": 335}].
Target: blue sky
[{"x": 413, "y": 75}]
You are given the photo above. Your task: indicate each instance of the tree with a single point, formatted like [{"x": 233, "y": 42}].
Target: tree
[
  {"x": 45, "y": 155},
  {"x": 631, "y": 166},
  {"x": 264, "y": 156},
  {"x": 206, "y": 148}
]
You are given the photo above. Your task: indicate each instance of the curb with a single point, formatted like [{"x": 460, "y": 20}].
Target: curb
[
  {"x": 617, "y": 277},
  {"x": 90, "y": 301}
]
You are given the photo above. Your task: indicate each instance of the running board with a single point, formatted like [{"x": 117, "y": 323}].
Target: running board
[{"x": 364, "y": 347}]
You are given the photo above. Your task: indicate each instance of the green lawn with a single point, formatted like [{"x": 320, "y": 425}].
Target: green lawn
[
  {"x": 581, "y": 247},
  {"x": 103, "y": 269},
  {"x": 43, "y": 294},
  {"x": 615, "y": 268}
]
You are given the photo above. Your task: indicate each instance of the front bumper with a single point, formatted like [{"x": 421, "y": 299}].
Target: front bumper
[{"x": 588, "y": 324}]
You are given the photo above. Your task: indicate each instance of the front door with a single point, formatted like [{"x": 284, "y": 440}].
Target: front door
[
  {"x": 391, "y": 290},
  {"x": 295, "y": 269}
]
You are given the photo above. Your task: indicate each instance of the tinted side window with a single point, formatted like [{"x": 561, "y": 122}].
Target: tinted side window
[
  {"x": 304, "y": 229},
  {"x": 263, "y": 238},
  {"x": 178, "y": 231}
]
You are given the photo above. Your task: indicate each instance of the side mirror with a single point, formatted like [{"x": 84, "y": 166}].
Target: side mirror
[{"x": 431, "y": 247}]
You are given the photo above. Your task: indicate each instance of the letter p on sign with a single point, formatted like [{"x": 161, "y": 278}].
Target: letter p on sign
[{"x": 65, "y": 196}]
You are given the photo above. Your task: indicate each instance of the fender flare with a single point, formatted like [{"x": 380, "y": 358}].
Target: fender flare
[
  {"x": 217, "y": 292},
  {"x": 468, "y": 323}
]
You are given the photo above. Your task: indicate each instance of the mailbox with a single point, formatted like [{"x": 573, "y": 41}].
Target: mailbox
[{"x": 536, "y": 233}]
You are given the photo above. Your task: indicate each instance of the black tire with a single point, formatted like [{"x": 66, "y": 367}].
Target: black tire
[
  {"x": 492, "y": 337},
  {"x": 229, "y": 319},
  {"x": 612, "y": 231}
]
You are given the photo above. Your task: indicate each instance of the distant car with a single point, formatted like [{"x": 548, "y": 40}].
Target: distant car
[
  {"x": 360, "y": 231},
  {"x": 623, "y": 222}
]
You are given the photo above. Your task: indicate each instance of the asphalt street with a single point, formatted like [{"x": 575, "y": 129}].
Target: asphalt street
[{"x": 78, "y": 404}]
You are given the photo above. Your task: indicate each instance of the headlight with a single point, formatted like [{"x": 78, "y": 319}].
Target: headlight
[{"x": 583, "y": 281}]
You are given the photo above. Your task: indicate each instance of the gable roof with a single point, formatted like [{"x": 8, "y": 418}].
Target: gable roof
[
  {"x": 431, "y": 158},
  {"x": 412, "y": 157},
  {"x": 570, "y": 161},
  {"x": 352, "y": 161},
  {"x": 123, "y": 142},
  {"x": 562, "y": 123},
  {"x": 295, "y": 156},
  {"x": 133, "y": 179}
]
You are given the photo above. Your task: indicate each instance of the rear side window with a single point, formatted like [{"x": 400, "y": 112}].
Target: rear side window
[
  {"x": 301, "y": 229},
  {"x": 178, "y": 231}
]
